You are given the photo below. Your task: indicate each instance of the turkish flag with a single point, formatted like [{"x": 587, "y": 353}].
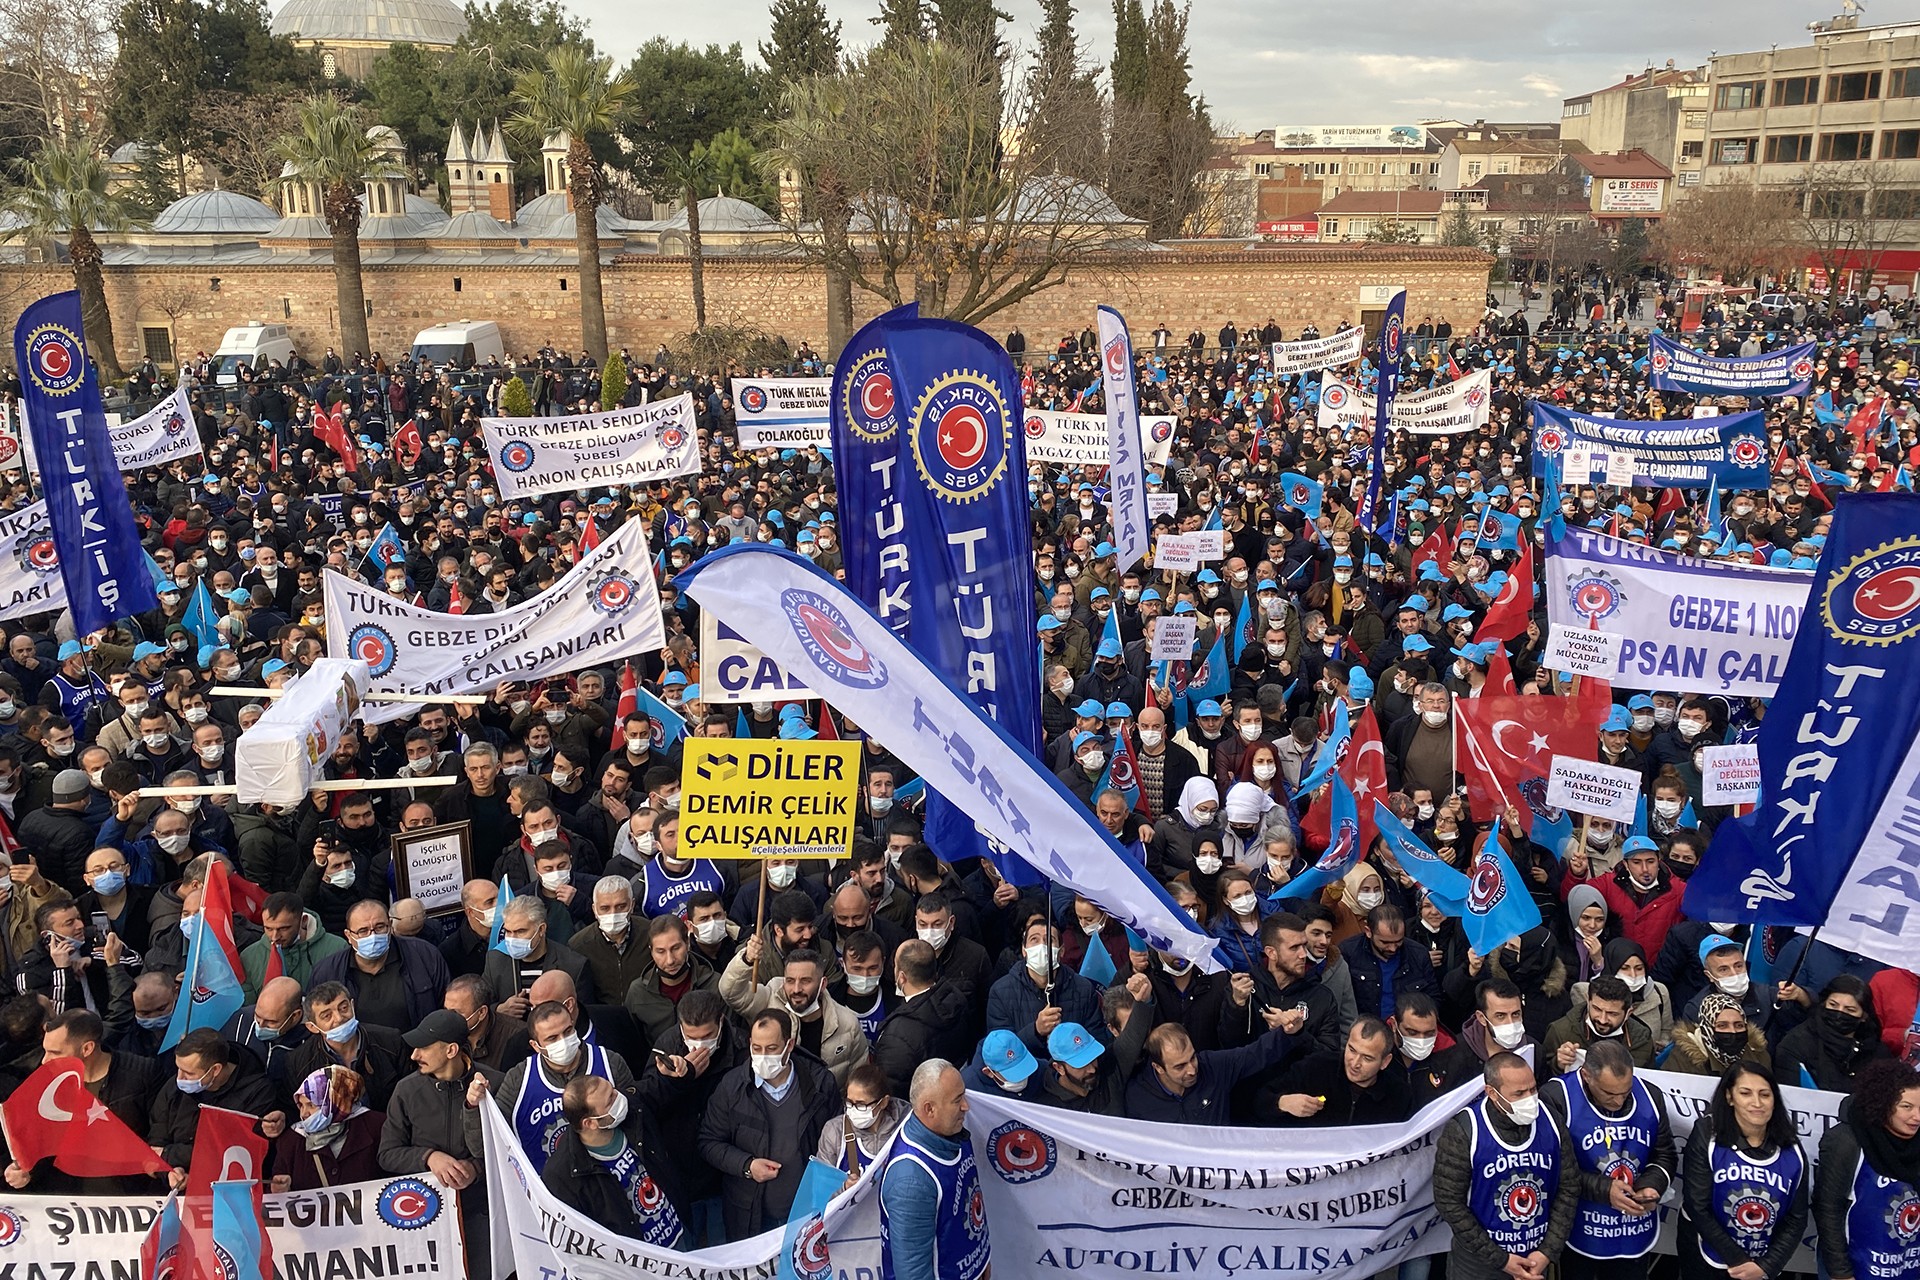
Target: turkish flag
[
  {"x": 1504, "y": 741},
  {"x": 226, "y": 1147},
  {"x": 1508, "y": 614},
  {"x": 331, "y": 430},
  {"x": 1364, "y": 769},
  {"x": 589, "y": 534},
  {"x": 249, "y": 899},
  {"x": 276, "y": 967},
  {"x": 1499, "y": 674},
  {"x": 408, "y": 446},
  {"x": 1866, "y": 420},
  {"x": 629, "y": 703},
  {"x": 52, "y": 1114}
]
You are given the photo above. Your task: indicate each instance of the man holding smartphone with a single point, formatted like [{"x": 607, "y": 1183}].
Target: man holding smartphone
[{"x": 74, "y": 966}]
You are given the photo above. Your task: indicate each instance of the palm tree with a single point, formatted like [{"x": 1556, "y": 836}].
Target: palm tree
[
  {"x": 688, "y": 175},
  {"x": 67, "y": 193},
  {"x": 331, "y": 149},
  {"x": 578, "y": 97}
]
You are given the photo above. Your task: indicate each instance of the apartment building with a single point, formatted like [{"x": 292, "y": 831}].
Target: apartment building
[{"x": 1660, "y": 111}]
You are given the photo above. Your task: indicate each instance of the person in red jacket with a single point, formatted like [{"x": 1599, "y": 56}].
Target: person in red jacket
[
  {"x": 1641, "y": 895},
  {"x": 1896, "y": 992}
]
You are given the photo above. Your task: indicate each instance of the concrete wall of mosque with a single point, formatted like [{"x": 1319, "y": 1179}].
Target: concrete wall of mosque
[{"x": 649, "y": 300}]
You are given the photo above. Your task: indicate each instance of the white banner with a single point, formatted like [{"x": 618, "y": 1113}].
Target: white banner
[
  {"x": 605, "y": 608},
  {"x": 781, "y": 413},
  {"x": 13, "y": 438},
  {"x": 1445, "y": 410},
  {"x": 1176, "y": 553},
  {"x": 1581, "y": 652},
  {"x": 1341, "y": 348},
  {"x": 1877, "y": 909},
  {"x": 536, "y": 1235},
  {"x": 1730, "y": 775},
  {"x": 1587, "y": 786},
  {"x": 1089, "y": 1194},
  {"x": 1127, "y": 473},
  {"x": 811, "y": 625},
  {"x": 409, "y": 1224},
  {"x": 733, "y": 671},
  {"x": 281, "y": 757},
  {"x": 161, "y": 434},
  {"x": 30, "y": 579},
  {"x": 1080, "y": 439},
  {"x": 1173, "y": 639},
  {"x": 1685, "y": 624},
  {"x": 640, "y": 445}
]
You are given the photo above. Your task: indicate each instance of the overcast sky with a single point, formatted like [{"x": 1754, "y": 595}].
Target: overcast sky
[{"x": 1263, "y": 63}]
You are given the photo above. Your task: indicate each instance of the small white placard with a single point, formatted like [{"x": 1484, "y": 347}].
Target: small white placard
[{"x": 1587, "y": 786}]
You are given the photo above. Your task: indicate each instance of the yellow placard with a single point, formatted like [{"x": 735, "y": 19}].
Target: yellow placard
[{"x": 768, "y": 798}]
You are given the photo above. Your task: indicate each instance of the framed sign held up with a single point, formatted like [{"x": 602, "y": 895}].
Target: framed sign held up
[{"x": 432, "y": 864}]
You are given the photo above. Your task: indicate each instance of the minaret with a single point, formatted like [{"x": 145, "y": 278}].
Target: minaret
[
  {"x": 465, "y": 192},
  {"x": 496, "y": 169},
  {"x": 553, "y": 156}
]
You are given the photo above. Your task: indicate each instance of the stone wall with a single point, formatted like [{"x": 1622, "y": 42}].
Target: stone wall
[{"x": 649, "y": 300}]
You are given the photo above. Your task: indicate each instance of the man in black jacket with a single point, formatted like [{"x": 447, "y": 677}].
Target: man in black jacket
[
  {"x": 207, "y": 1071},
  {"x": 1381, "y": 968},
  {"x": 433, "y": 1124},
  {"x": 58, "y": 835},
  {"x": 930, "y": 1020},
  {"x": 1083, "y": 1075},
  {"x": 1286, "y": 983},
  {"x": 1362, "y": 1084},
  {"x": 763, "y": 1123},
  {"x": 337, "y": 1037},
  {"x": 124, "y": 1081},
  {"x": 612, "y": 1166},
  {"x": 696, "y": 1053},
  {"x": 396, "y": 982}
]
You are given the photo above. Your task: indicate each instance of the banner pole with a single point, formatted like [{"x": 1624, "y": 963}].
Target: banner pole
[
  {"x": 1813, "y": 936},
  {"x": 760, "y": 921}
]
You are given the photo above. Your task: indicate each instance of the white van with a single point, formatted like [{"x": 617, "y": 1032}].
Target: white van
[
  {"x": 459, "y": 344},
  {"x": 254, "y": 344}
]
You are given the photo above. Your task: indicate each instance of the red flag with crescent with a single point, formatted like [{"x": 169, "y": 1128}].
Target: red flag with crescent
[
  {"x": 227, "y": 1147},
  {"x": 53, "y": 1114},
  {"x": 1512, "y": 606},
  {"x": 1502, "y": 740}
]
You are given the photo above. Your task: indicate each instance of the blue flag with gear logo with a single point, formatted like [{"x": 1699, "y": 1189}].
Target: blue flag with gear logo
[
  {"x": 1832, "y": 842},
  {"x": 960, "y": 473},
  {"x": 101, "y": 562},
  {"x": 864, "y": 429}
]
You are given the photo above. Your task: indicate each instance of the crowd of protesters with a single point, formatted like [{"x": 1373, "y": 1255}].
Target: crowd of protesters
[{"x": 631, "y": 1017}]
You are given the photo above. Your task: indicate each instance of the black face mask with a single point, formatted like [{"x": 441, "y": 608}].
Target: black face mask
[
  {"x": 1682, "y": 870},
  {"x": 1730, "y": 1043}
]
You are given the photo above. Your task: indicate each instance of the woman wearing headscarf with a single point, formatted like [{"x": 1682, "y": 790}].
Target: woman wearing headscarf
[
  {"x": 1745, "y": 1195},
  {"x": 1360, "y": 891},
  {"x": 1627, "y": 960},
  {"x": 1719, "y": 1037},
  {"x": 1587, "y": 920},
  {"x": 336, "y": 1139},
  {"x": 1869, "y": 1179},
  {"x": 1841, "y": 1036},
  {"x": 1246, "y": 809},
  {"x": 1175, "y": 835}
]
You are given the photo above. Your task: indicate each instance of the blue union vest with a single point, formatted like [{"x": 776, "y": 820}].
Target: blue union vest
[
  {"x": 960, "y": 1247},
  {"x": 537, "y": 1120},
  {"x": 1883, "y": 1226},
  {"x": 1749, "y": 1195},
  {"x": 1619, "y": 1147},
  {"x": 1513, "y": 1187}
]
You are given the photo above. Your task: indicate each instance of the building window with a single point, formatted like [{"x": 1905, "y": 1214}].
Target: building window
[
  {"x": 1733, "y": 150},
  {"x": 1796, "y": 91},
  {"x": 1473, "y": 170},
  {"x": 1581, "y": 108},
  {"x": 1899, "y": 203},
  {"x": 1333, "y": 168},
  {"x": 1853, "y": 86},
  {"x": 157, "y": 343},
  {"x": 1740, "y": 95},
  {"x": 1262, "y": 170},
  {"x": 1433, "y": 168},
  {"x": 1836, "y": 206},
  {"x": 1503, "y": 166},
  {"x": 1790, "y": 148},
  {"x": 1319, "y": 168},
  {"x": 1695, "y": 119},
  {"x": 1903, "y": 82},
  {"x": 1900, "y": 144},
  {"x": 1692, "y": 150},
  {"x": 1690, "y": 179},
  {"x": 1330, "y": 227},
  {"x": 1846, "y": 146}
]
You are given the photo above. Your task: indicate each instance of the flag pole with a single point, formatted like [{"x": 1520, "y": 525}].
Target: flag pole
[{"x": 760, "y": 922}]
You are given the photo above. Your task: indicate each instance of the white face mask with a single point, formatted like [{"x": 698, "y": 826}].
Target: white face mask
[
  {"x": 1418, "y": 1048},
  {"x": 544, "y": 837},
  {"x": 1667, "y": 808},
  {"x": 1207, "y": 864},
  {"x": 860, "y": 1117},
  {"x": 1151, "y": 738},
  {"x": 1243, "y": 905},
  {"x": 935, "y": 938},
  {"x": 1508, "y": 1035},
  {"x": 197, "y": 715},
  {"x": 1433, "y": 719},
  {"x": 1735, "y": 986},
  {"x": 212, "y": 754},
  {"x": 1041, "y": 957},
  {"x": 555, "y": 878},
  {"x": 488, "y": 916},
  {"x": 1425, "y": 811},
  {"x": 1093, "y": 760},
  {"x": 1642, "y": 723},
  {"x": 1369, "y": 898},
  {"x": 614, "y": 923},
  {"x": 1636, "y": 984},
  {"x": 863, "y": 984},
  {"x": 768, "y": 1066},
  {"x": 1690, "y": 729},
  {"x": 782, "y": 877},
  {"x": 1263, "y": 772},
  {"x": 710, "y": 931},
  {"x": 1250, "y": 732},
  {"x": 1664, "y": 715},
  {"x": 1598, "y": 836},
  {"x": 562, "y": 1052},
  {"x": 1524, "y": 1110}
]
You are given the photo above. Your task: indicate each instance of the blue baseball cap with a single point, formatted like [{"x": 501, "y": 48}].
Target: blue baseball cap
[
  {"x": 1638, "y": 844},
  {"x": 1415, "y": 644},
  {"x": 273, "y": 665},
  {"x": 1092, "y": 707},
  {"x": 1183, "y": 606},
  {"x": 1104, "y": 550},
  {"x": 1360, "y": 684},
  {"x": 1070, "y": 1043},
  {"x": 1100, "y": 593},
  {"x": 673, "y": 678},
  {"x": 1082, "y": 737},
  {"x": 1118, "y": 711},
  {"x": 1008, "y": 1058},
  {"x": 239, "y": 596},
  {"x": 796, "y": 731},
  {"x": 1639, "y": 702},
  {"x": 1454, "y": 612},
  {"x": 1715, "y": 942},
  {"x": 147, "y": 649},
  {"x": 1617, "y": 722},
  {"x": 1050, "y": 623},
  {"x": 1431, "y": 572},
  {"x": 1268, "y": 584},
  {"x": 1206, "y": 575},
  {"x": 1208, "y": 707},
  {"x": 1108, "y": 648},
  {"x": 70, "y": 649},
  {"x": 1149, "y": 594},
  {"x": 692, "y": 693},
  {"x": 1417, "y": 603},
  {"x": 1343, "y": 562}
]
